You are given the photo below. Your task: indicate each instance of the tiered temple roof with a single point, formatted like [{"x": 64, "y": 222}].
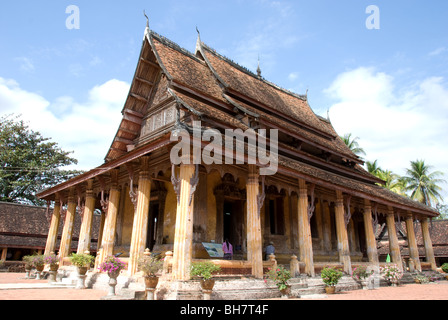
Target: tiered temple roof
[{"x": 222, "y": 94}]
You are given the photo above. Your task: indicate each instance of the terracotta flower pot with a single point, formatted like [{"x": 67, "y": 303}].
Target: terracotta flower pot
[
  {"x": 330, "y": 289},
  {"x": 207, "y": 284},
  {"x": 151, "y": 282},
  {"x": 54, "y": 267},
  {"x": 286, "y": 293},
  {"x": 82, "y": 270}
]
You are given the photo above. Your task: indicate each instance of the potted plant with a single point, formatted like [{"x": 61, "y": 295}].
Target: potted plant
[
  {"x": 28, "y": 265},
  {"x": 39, "y": 264},
  {"x": 360, "y": 275},
  {"x": 205, "y": 271},
  {"x": 112, "y": 266},
  {"x": 82, "y": 262},
  {"x": 444, "y": 268},
  {"x": 53, "y": 261},
  {"x": 280, "y": 276},
  {"x": 330, "y": 276},
  {"x": 150, "y": 265},
  {"x": 421, "y": 279},
  {"x": 391, "y": 274}
]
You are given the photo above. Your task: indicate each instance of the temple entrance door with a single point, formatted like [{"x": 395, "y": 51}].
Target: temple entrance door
[
  {"x": 233, "y": 223},
  {"x": 152, "y": 225},
  {"x": 362, "y": 240}
]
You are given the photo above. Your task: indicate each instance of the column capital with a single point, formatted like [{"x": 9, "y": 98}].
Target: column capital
[
  {"x": 339, "y": 199},
  {"x": 114, "y": 179},
  {"x": 89, "y": 189},
  {"x": 367, "y": 205},
  {"x": 71, "y": 195},
  {"x": 303, "y": 189},
  {"x": 252, "y": 175}
]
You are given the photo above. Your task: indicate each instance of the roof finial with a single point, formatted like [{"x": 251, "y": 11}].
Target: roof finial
[
  {"x": 198, "y": 43},
  {"x": 258, "y": 69},
  {"x": 147, "y": 19}
]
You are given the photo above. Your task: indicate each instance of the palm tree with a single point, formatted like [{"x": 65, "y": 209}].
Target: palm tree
[
  {"x": 353, "y": 144},
  {"x": 373, "y": 168},
  {"x": 393, "y": 182},
  {"x": 423, "y": 184}
]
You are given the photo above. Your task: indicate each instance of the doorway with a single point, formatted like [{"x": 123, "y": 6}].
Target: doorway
[
  {"x": 152, "y": 225},
  {"x": 233, "y": 223}
]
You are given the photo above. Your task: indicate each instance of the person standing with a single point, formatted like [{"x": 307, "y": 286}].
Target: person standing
[
  {"x": 270, "y": 249},
  {"x": 228, "y": 250}
]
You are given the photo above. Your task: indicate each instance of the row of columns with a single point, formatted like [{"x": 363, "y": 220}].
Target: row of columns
[
  {"x": 109, "y": 227},
  {"x": 183, "y": 242}
]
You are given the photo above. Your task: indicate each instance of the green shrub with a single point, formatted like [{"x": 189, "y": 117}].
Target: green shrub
[
  {"x": 331, "y": 275},
  {"x": 81, "y": 260},
  {"x": 445, "y": 267},
  {"x": 204, "y": 270}
]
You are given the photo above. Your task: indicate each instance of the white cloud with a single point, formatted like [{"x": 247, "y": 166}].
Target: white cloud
[
  {"x": 26, "y": 64},
  {"x": 437, "y": 51},
  {"x": 394, "y": 126},
  {"x": 87, "y": 128}
]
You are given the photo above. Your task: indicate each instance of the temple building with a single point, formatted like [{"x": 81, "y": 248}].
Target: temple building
[{"x": 319, "y": 203}]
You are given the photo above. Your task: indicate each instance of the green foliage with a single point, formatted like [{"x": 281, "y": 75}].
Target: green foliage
[
  {"x": 51, "y": 259},
  {"x": 331, "y": 275},
  {"x": 81, "y": 259},
  {"x": 150, "y": 265},
  {"x": 28, "y": 162},
  {"x": 353, "y": 144},
  {"x": 424, "y": 184},
  {"x": 280, "y": 276},
  {"x": 360, "y": 273},
  {"x": 38, "y": 260},
  {"x": 204, "y": 270},
  {"x": 445, "y": 267},
  {"x": 28, "y": 260}
]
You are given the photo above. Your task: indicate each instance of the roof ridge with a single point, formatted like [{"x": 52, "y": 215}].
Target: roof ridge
[
  {"x": 174, "y": 45},
  {"x": 302, "y": 97}
]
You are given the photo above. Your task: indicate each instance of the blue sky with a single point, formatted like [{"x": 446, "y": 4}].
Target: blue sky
[{"x": 388, "y": 87}]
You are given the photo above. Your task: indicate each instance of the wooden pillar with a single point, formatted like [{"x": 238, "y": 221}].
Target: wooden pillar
[
  {"x": 86, "y": 226},
  {"x": 54, "y": 227},
  {"x": 341, "y": 230},
  {"x": 412, "y": 243},
  {"x": 67, "y": 232},
  {"x": 428, "y": 243},
  {"x": 305, "y": 241},
  {"x": 140, "y": 226},
  {"x": 372, "y": 251},
  {"x": 254, "y": 239},
  {"x": 183, "y": 237},
  {"x": 394, "y": 247},
  {"x": 4, "y": 253},
  {"x": 110, "y": 223}
]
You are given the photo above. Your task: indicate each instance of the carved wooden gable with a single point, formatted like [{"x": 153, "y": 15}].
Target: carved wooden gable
[{"x": 161, "y": 112}]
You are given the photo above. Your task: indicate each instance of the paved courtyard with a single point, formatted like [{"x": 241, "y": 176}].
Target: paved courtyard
[{"x": 13, "y": 286}]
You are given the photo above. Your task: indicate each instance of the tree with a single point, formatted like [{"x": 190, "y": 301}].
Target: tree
[
  {"x": 423, "y": 184},
  {"x": 373, "y": 167},
  {"x": 392, "y": 181},
  {"x": 353, "y": 144},
  {"x": 29, "y": 162}
]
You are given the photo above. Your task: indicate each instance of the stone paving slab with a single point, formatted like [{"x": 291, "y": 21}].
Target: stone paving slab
[{"x": 15, "y": 287}]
